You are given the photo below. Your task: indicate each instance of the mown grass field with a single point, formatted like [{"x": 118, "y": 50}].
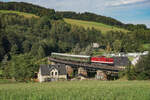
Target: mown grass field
[
  {"x": 77, "y": 90},
  {"x": 88, "y": 24},
  {"x": 19, "y": 13}
]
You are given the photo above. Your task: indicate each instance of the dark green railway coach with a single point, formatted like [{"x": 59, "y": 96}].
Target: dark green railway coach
[{"x": 69, "y": 57}]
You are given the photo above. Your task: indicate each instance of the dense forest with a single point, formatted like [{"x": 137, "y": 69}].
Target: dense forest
[
  {"x": 28, "y": 40},
  {"x": 22, "y": 35},
  {"x": 39, "y": 37}
]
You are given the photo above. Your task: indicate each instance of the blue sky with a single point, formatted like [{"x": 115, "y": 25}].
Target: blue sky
[{"x": 127, "y": 11}]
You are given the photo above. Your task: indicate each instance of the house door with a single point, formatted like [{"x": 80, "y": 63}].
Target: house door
[{"x": 54, "y": 79}]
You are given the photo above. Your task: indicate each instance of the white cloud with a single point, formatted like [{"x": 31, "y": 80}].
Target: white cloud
[
  {"x": 72, "y": 5},
  {"x": 124, "y": 2}
]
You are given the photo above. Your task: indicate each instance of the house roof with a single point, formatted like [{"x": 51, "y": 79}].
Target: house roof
[{"x": 45, "y": 69}]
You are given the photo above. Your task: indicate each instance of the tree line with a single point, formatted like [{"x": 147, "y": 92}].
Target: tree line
[{"x": 29, "y": 8}]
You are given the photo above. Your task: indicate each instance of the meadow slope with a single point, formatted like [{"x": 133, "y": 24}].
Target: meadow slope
[
  {"x": 77, "y": 90},
  {"x": 88, "y": 24},
  {"x": 19, "y": 13}
]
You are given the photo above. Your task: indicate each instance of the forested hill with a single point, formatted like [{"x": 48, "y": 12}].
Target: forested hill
[
  {"x": 87, "y": 16},
  {"x": 91, "y": 17},
  {"x": 29, "y": 8}
]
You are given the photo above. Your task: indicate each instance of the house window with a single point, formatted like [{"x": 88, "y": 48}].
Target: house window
[
  {"x": 55, "y": 73},
  {"x": 52, "y": 73}
]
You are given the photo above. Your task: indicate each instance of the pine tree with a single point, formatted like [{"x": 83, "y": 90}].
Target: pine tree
[
  {"x": 41, "y": 52},
  {"x": 14, "y": 49}
]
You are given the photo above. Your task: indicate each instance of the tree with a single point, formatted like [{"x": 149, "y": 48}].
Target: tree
[
  {"x": 2, "y": 47},
  {"x": 5, "y": 60},
  {"x": 117, "y": 46},
  {"x": 41, "y": 52},
  {"x": 34, "y": 49},
  {"x": 14, "y": 49},
  {"x": 26, "y": 46},
  {"x": 89, "y": 50},
  {"x": 77, "y": 49},
  {"x": 0, "y": 25},
  {"x": 21, "y": 68}
]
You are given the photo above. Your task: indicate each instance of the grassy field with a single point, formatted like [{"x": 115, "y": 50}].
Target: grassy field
[
  {"x": 77, "y": 90},
  {"x": 146, "y": 46},
  {"x": 99, "y": 26},
  {"x": 0, "y": 72},
  {"x": 19, "y": 13}
]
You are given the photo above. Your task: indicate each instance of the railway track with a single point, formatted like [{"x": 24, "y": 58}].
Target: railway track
[{"x": 87, "y": 65}]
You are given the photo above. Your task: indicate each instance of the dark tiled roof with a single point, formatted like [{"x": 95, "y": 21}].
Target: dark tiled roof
[
  {"x": 62, "y": 69},
  {"x": 121, "y": 61},
  {"x": 45, "y": 69}
]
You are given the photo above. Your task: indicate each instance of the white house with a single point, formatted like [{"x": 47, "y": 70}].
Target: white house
[
  {"x": 95, "y": 45},
  {"x": 52, "y": 73}
]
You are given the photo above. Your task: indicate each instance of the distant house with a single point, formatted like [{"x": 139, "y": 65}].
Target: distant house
[
  {"x": 121, "y": 61},
  {"x": 52, "y": 73},
  {"x": 95, "y": 45}
]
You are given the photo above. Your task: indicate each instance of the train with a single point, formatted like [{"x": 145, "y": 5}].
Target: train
[{"x": 83, "y": 58}]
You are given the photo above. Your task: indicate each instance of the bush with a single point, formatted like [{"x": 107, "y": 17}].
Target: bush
[{"x": 21, "y": 68}]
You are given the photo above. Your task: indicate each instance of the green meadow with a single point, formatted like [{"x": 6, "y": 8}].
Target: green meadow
[
  {"x": 146, "y": 46},
  {"x": 19, "y": 13},
  {"x": 88, "y": 24},
  {"x": 77, "y": 90}
]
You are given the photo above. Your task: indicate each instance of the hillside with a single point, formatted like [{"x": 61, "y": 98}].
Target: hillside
[
  {"x": 87, "y": 16},
  {"x": 27, "y": 15},
  {"x": 86, "y": 24},
  {"x": 28, "y": 8},
  {"x": 89, "y": 24}
]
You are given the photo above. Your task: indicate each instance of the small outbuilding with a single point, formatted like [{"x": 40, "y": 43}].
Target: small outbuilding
[
  {"x": 121, "y": 61},
  {"x": 52, "y": 72}
]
